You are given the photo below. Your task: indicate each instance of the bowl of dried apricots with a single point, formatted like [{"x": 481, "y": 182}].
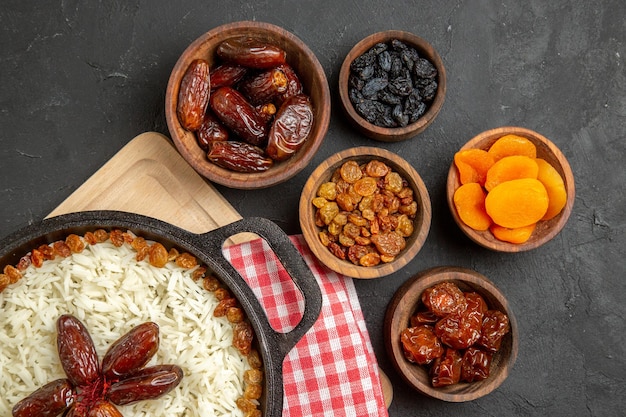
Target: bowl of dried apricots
[
  {"x": 451, "y": 334},
  {"x": 365, "y": 212},
  {"x": 510, "y": 189}
]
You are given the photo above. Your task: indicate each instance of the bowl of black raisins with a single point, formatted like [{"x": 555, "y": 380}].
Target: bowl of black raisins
[{"x": 392, "y": 85}]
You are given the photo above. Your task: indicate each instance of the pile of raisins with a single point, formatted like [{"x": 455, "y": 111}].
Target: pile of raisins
[
  {"x": 391, "y": 85},
  {"x": 365, "y": 213},
  {"x": 248, "y": 111},
  {"x": 455, "y": 333}
]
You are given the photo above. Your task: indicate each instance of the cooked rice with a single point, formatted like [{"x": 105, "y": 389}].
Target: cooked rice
[{"x": 124, "y": 293}]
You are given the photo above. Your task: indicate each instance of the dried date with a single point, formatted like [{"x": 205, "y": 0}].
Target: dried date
[
  {"x": 239, "y": 156},
  {"x": 294, "y": 86},
  {"x": 193, "y": 95},
  {"x": 131, "y": 351},
  {"x": 236, "y": 113},
  {"x": 251, "y": 52},
  {"x": 48, "y": 401},
  {"x": 145, "y": 384},
  {"x": 99, "y": 409},
  {"x": 226, "y": 75},
  {"x": 76, "y": 351},
  {"x": 291, "y": 128},
  {"x": 210, "y": 130},
  {"x": 263, "y": 87}
]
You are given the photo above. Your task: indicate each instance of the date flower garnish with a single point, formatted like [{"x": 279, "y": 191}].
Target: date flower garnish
[{"x": 91, "y": 389}]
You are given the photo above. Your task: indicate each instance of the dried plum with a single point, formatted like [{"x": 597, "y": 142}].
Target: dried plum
[{"x": 391, "y": 85}]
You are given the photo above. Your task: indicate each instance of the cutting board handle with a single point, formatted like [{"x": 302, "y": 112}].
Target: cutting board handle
[{"x": 291, "y": 260}]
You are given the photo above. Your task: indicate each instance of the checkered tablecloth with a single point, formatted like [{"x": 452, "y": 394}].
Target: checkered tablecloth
[{"x": 332, "y": 371}]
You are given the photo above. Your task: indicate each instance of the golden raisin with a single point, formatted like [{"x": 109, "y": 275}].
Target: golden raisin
[
  {"x": 75, "y": 243},
  {"x": 117, "y": 238},
  {"x": 157, "y": 255},
  {"x": 211, "y": 283},
  {"x": 186, "y": 260},
  {"x": 234, "y": 315},
  {"x": 61, "y": 248},
  {"x": 254, "y": 360},
  {"x": 36, "y": 258},
  {"x": 13, "y": 274},
  {"x": 253, "y": 376},
  {"x": 253, "y": 392}
]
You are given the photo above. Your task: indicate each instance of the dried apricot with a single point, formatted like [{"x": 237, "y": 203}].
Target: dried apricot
[
  {"x": 469, "y": 201},
  {"x": 516, "y": 235},
  {"x": 517, "y": 203},
  {"x": 509, "y": 145},
  {"x": 511, "y": 168},
  {"x": 552, "y": 180},
  {"x": 472, "y": 165}
]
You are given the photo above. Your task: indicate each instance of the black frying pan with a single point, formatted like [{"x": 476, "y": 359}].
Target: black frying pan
[{"x": 207, "y": 247}]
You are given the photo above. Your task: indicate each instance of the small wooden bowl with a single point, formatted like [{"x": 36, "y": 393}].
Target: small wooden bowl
[
  {"x": 385, "y": 134},
  {"x": 545, "y": 230},
  {"x": 311, "y": 75},
  {"x": 406, "y": 301},
  {"x": 323, "y": 174}
]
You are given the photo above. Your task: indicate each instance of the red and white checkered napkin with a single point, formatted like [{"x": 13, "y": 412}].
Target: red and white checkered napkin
[{"x": 332, "y": 371}]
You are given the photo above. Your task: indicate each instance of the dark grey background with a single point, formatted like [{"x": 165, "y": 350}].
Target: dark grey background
[{"x": 78, "y": 80}]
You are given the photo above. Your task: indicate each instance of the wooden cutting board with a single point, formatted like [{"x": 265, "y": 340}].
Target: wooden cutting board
[{"x": 148, "y": 176}]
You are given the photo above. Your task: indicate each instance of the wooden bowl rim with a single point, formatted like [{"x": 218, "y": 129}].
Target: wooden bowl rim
[
  {"x": 281, "y": 171},
  {"x": 396, "y": 134},
  {"x": 403, "y": 304},
  {"x": 546, "y": 230},
  {"x": 324, "y": 171}
]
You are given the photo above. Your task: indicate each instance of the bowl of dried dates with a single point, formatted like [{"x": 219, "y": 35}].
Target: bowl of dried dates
[
  {"x": 365, "y": 212},
  {"x": 450, "y": 333},
  {"x": 392, "y": 85},
  {"x": 247, "y": 105},
  {"x": 510, "y": 189}
]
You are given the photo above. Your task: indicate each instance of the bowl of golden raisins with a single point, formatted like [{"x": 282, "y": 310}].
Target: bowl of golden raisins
[
  {"x": 247, "y": 105},
  {"x": 365, "y": 212},
  {"x": 451, "y": 334},
  {"x": 510, "y": 189}
]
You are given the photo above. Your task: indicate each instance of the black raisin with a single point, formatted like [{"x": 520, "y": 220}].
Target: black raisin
[
  {"x": 378, "y": 48},
  {"x": 373, "y": 86},
  {"x": 429, "y": 90},
  {"x": 388, "y": 97},
  {"x": 399, "y": 116},
  {"x": 398, "y": 45},
  {"x": 401, "y": 86},
  {"x": 384, "y": 60},
  {"x": 424, "y": 69}
]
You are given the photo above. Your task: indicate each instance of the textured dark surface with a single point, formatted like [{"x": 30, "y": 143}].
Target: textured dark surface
[{"x": 78, "y": 80}]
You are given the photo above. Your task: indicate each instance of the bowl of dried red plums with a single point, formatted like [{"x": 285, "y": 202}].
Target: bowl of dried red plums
[
  {"x": 451, "y": 334},
  {"x": 248, "y": 105},
  {"x": 392, "y": 85},
  {"x": 510, "y": 189},
  {"x": 365, "y": 212}
]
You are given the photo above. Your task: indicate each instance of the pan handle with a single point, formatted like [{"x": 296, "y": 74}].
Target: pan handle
[{"x": 291, "y": 260}]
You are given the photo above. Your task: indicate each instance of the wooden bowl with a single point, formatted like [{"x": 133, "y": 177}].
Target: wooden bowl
[
  {"x": 311, "y": 75},
  {"x": 406, "y": 301},
  {"x": 323, "y": 173},
  {"x": 545, "y": 230},
  {"x": 397, "y": 134}
]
